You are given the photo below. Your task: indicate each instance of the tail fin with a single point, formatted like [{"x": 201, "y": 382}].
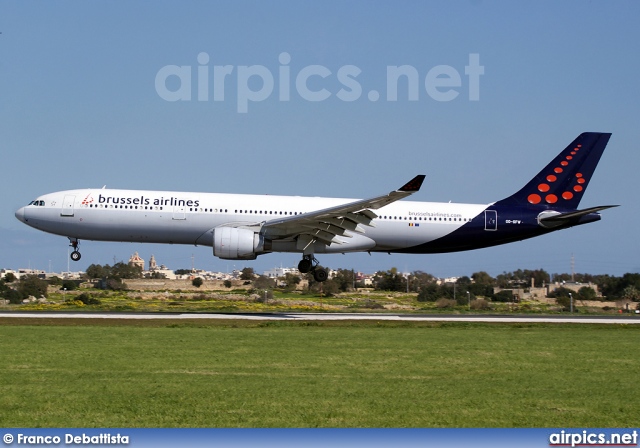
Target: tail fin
[{"x": 565, "y": 179}]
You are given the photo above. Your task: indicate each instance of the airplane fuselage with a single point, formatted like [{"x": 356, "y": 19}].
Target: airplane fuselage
[
  {"x": 242, "y": 227},
  {"x": 189, "y": 218}
]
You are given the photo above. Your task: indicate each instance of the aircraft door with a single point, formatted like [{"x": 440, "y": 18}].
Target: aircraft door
[
  {"x": 490, "y": 220},
  {"x": 67, "y": 205}
]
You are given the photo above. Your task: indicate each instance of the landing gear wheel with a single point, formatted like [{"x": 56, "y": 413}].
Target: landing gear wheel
[
  {"x": 305, "y": 265},
  {"x": 320, "y": 274},
  {"x": 75, "y": 255},
  {"x": 310, "y": 264}
]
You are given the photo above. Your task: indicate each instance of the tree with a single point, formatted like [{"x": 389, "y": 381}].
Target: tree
[
  {"x": 522, "y": 278},
  {"x": 482, "y": 278},
  {"x": 586, "y": 293},
  {"x": 13, "y": 296},
  {"x": 330, "y": 287},
  {"x": 420, "y": 279},
  {"x": 227, "y": 283},
  {"x": 291, "y": 281},
  {"x": 69, "y": 285},
  {"x": 344, "y": 279},
  {"x": 31, "y": 285},
  {"x": 563, "y": 297},
  {"x": 96, "y": 271},
  {"x": 505, "y": 295},
  {"x": 429, "y": 293},
  {"x": 197, "y": 282},
  {"x": 389, "y": 281},
  {"x": 561, "y": 292},
  {"x": 10, "y": 277},
  {"x": 115, "y": 284},
  {"x": 10, "y": 294},
  {"x": 263, "y": 282},
  {"x": 55, "y": 280},
  {"x": 564, "y": 302},
  {"x": 122, "y": 270},
  {"x": 631, "y": 293},
  {"x": 247, "y": 274}
]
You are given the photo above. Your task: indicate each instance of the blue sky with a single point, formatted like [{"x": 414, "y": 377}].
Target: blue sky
[{"x": 79, "y": 108}]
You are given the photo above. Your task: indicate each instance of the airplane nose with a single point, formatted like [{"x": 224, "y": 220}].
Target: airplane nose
[{"x": 20, "y": 214}]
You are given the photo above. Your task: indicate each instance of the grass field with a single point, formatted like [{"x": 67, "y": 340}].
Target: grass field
[{"x": 333, "y": 374}]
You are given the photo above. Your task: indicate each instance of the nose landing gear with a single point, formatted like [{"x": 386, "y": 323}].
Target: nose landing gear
[
  {"x": 75, "y": 255},
  {"x": 310, "y": 264}
]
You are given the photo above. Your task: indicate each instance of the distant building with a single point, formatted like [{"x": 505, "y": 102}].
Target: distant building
[
  {"x": 135, "y": 260},
  {"x": 280, "y": 272},
  {"x": 155, "y": 269},
  {"x": 152, "y": 263},
  {"x": 574, "y": 286},
  {"x": 447, "y": 281}
]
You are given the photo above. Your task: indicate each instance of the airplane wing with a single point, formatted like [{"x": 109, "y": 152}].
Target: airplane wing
[{"x": 325, "y": 225}]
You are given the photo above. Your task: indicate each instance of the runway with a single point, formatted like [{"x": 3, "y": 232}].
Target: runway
[{"x": 626, "y": 319}]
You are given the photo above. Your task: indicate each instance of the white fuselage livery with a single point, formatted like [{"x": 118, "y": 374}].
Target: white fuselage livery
[{"x": 190, "y": 218}]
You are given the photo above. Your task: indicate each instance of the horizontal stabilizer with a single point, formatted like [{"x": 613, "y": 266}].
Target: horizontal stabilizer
[{"x": 554, "y": 219}]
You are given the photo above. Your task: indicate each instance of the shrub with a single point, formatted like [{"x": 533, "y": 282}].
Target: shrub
[
  {"x": 55, "y": 280},
  {"x": 116, "y": 284},
  {"x": 13, "y": 296},
  {"x": 429, "y": 293},
  {"x": 263, "y": 282},
  {"x": 260, "y": 295},
  {"x": 480, "y": 304},
  {"x": 371, "y": 305},
  {"x": 227, "y": 283},
  {"x": 31, "y": 285},
  {"x": 564, "y": 302},
  {"x": 197, "y": 282},
  {"x": 446, "y": 303},
  {"x": 69, "y": 285},
  {"x": 505, "y": 295},
  {"x": 87, "y": 299}
]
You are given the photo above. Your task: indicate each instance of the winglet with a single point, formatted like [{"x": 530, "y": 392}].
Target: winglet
[{"x": 414, "y": 184}]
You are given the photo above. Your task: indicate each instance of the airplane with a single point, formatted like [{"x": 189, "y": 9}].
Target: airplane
[{"x": 242, "y": 226}]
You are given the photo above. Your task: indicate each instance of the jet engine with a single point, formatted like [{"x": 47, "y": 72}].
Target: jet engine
[{"x": 237, "y": 243}]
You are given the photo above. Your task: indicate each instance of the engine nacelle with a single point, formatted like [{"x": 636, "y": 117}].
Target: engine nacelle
[{"x": 235, "y": 243}]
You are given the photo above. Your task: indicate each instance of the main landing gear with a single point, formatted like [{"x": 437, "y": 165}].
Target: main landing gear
[
  {"x": 310, "y": 264},
  {"x": 75, "y": 255}
]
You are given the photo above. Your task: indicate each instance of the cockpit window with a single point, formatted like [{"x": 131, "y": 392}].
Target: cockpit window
[
  {"x": 41, "y": 203},
  {"x": 37, "y": 203}
]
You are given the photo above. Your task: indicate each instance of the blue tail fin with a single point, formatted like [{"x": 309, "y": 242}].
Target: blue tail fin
[{"x": 564, "y": 181}]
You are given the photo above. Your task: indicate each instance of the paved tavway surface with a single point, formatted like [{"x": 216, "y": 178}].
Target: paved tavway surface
[{"x": 626, "y": 319}]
